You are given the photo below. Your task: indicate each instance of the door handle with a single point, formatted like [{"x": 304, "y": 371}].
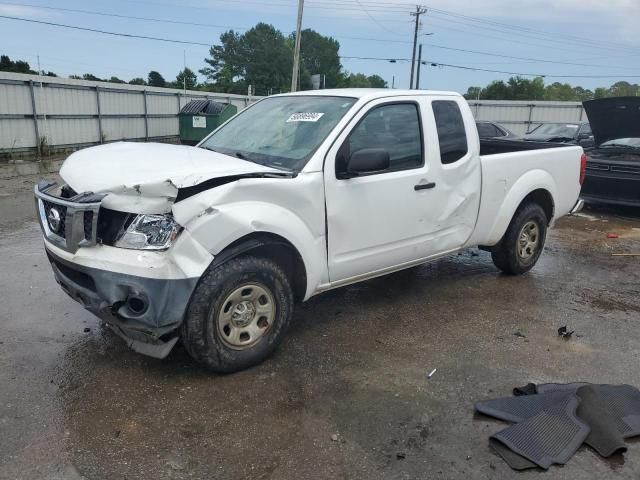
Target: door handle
[{"x": 424, "y": 186}]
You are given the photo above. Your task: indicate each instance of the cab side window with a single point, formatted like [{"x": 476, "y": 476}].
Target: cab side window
[
  {"x": 394, "y": 128},
  {"x": 451, "y": 132}
]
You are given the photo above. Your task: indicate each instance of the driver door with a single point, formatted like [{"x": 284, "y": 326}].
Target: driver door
[{"x": 377, "y": 220}]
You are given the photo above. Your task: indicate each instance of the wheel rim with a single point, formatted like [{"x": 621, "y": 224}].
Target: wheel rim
[
  {"x": 529, "y": 240},
  {"x": 246, "y": 315}
]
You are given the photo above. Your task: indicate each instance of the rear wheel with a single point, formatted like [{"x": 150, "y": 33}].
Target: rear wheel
[
  {"x": 522, "y": 243},
  {"x": 239, "y": 313}
]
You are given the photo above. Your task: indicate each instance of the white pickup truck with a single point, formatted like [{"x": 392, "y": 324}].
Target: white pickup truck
[{"x": 295, "y": 195}]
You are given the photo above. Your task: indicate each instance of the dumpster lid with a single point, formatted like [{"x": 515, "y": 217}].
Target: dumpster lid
[{"x": 208, "y": 107}]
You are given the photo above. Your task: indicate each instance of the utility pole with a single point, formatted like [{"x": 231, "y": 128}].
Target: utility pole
[
  {"x": 44, "y": 107},
  {"x": 184, "y": 72},
  {"x": 419, "y": 65},
  {"x": 296, "y": 53},
  {"x": 419, "y": 11}
]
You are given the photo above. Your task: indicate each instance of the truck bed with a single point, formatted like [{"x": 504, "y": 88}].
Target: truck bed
[
  {"x": 513, "y": 168},
  {"x": 492, "y": 146}
]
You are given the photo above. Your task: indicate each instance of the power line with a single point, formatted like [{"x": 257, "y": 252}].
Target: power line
[
  {"x": 105, "y": 32},
  {"x": 434, "y": 63},
  {"x": 392, "y": 60},
  {"x": 374, "y": 19},
  {"x": 210, "y": 25},
  {"x": 528, "y": 29},
  {"x": 533, "y": 60},
  {"x": 543, "y": 75},
  {"x": 117, "y": 15},
  {"x": 539, "y": 35}
]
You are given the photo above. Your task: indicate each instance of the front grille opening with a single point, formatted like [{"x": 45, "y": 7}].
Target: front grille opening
[
  {"x": 67, "y": 192},
  {"x": 79, "y": 278},
  {"x": 88, "y": 224},
  {"x": 110, "y": 223}
]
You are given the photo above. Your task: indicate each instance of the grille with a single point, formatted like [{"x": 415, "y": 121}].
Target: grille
[
  {"x": 62, "y": 211},
  {"x": 78, "y": 215},
  {"x": 88, "y": 224}
]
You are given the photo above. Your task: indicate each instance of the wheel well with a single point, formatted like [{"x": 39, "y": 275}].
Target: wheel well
[
  {"x": 275, "y": 248},
  {"x": 543, "y": 198}
]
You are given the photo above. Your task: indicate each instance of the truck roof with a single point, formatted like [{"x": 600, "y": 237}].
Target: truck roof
[{"x": 369, "y": 93}]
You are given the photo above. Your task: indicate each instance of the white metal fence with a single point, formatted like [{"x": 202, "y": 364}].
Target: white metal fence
[
  {"x": 63, "y": 113},
  {"x": 522, "y": 116}
]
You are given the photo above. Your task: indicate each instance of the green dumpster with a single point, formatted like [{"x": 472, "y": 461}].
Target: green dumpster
[{"x": 199, "y": 118}]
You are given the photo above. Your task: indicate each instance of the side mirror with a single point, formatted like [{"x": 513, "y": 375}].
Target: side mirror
[{"x": 367, "y": 160}]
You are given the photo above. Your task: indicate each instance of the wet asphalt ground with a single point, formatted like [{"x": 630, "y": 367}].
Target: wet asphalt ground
[{"x": 346, "y": 396}]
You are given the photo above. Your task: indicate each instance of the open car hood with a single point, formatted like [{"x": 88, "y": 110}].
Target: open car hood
[
  {"x": 146, "y": 177},
  {"x": 613, "y": 118}
]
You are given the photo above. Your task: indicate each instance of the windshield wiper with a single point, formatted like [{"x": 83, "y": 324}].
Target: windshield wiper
[{"x": 240, "y": 155}]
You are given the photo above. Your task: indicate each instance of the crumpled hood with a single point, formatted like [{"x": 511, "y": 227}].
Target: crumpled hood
[
  {"x": 613, "y": 118},
  {"x": 145, "y": 177}
]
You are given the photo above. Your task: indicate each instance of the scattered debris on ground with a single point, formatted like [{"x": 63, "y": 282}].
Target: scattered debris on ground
[{"x": 565, "y": 333}]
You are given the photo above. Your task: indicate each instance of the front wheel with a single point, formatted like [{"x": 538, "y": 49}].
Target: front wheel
[
  {"x": 522, "y": 243},
  {"x": 239, "y": 313}
]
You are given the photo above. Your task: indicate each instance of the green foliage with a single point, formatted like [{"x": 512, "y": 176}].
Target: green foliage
[
  {"x": 517, "y": 88},
  {"x": 89, "y": 76},
  {"x": 360, "y": 80},
  {"x": 186, "y": 78},
  {"x": 18, "y": 66},
  {"x": 154, "y": 79},
  {"x": 318, "y": 55},
  {"x": 137, "y": 81},
  {"x": 260, "y": 57},
  {"x": 116, "y": 80},
  {"x": 263, "y": 57}
]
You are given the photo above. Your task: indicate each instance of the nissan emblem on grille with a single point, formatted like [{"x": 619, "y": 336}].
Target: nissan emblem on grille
[{"x": 53, "y": 218}]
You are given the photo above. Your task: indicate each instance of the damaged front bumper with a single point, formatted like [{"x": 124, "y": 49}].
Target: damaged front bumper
[
  {"x": 144, "y": 311},
  {"x": 141, "y": 295}
]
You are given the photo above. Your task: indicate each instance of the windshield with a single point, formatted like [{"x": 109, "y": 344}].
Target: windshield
[
  {"x": 567, "y": 130},
  {"x": 623, "y": 142},
  {"x": 280, "y": 132}
]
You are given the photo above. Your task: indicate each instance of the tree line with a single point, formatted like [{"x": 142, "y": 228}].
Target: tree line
[
  {"x": 518, "y": 88},
  {"x": 261, "y": 57}
]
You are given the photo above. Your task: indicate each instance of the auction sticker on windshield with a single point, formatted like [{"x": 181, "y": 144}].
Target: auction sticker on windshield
[{"x": 305, "y": 117}]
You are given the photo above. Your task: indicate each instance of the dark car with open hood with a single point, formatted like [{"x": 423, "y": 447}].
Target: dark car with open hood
[
  {"x": 613, "y": 166},
  {"x": 576, "y": 133}
]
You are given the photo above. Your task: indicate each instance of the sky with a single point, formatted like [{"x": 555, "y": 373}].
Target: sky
[{"x": 561, "y": 39}]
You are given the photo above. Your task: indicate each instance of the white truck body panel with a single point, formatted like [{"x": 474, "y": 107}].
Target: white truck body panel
[
  {"x": 375, "y": 224},
  {"x": 508, "y": 178},
  {"x": 344, "y": 229},
  {"x": 379, "y": 221}
]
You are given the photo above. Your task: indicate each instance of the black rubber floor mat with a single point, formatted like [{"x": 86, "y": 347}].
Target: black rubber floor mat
[
  {"x": 515, "y": 461},
  {"x": 551, "y": 436},
  {"x": 623, "y": 401},
  {"x": 605, "y": 436},
  {"x": 517, "y": 409}
]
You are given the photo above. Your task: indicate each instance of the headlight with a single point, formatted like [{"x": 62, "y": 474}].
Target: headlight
[{"x": 149, "y": 232}]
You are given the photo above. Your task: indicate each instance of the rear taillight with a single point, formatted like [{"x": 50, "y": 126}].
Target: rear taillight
[{"x": 583, "y": 167}]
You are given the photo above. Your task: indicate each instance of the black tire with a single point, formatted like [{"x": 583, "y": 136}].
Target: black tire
[
  {"x": 506, "y": 254},
  {"x": 200, "y": 330}
]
